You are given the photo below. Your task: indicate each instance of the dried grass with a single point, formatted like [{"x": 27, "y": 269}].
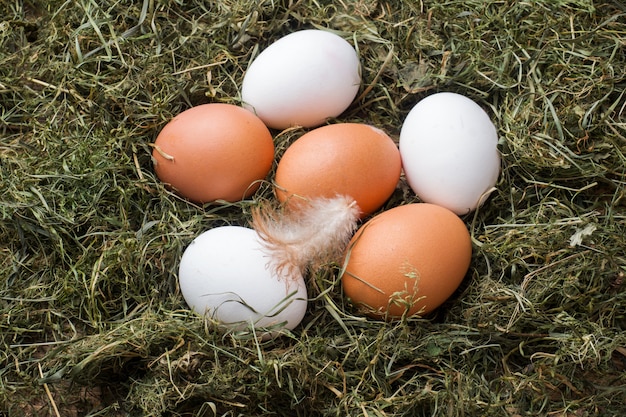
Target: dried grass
[{"x": 92, "y": 322}]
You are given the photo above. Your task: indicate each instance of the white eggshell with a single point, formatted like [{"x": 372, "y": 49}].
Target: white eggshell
[
  {"x": 224, "y": 273},
  {"x": 449, "y": 152},
  {"x": 302, "y": 79}
]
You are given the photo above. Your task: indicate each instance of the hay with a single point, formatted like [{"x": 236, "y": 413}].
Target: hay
[{"x": 92, "y": 322}]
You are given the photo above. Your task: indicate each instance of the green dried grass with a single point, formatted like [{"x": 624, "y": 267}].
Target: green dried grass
[{"x": 92, "y": 322}]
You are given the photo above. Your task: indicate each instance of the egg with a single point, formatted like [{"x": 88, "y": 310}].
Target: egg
[
  {"x": 406, "y": 260},
  {"x": 225, "y": 274},
  {"x": 352, "y": 159},
  {"x": 214, "y": 152},
  {"x": 449, "y": 152},
  {"x": 302, "y": 79}
]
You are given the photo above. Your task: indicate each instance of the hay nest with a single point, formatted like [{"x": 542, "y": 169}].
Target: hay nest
[{"x": 92, "y": 322}]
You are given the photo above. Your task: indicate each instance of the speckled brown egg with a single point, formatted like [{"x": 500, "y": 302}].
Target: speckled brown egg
[
  {"x": 353, "y": 159},
  {"x": 214, "y": 152},
  {"x": 406, "y": 260}
]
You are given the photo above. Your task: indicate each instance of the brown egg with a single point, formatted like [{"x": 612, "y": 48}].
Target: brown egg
[
  {"x": 352, "y": 159},
  {"x": 214, "y": 152},
  {"x": 406, "y": 260}
]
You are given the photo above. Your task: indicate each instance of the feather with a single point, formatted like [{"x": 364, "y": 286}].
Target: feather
[{"x": 308, "y": 234}]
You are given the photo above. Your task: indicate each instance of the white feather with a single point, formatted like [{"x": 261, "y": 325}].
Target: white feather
[{"x": 307, "y": 235}]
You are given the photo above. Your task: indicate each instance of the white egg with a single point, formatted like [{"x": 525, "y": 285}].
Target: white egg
[
  {"x": 225, "y": 274},
  {"x": 448, "y": 146},
  {"x": 302, "y": 79}
]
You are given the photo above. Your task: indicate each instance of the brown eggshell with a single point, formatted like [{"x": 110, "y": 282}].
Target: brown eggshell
[
  {"x": 352, "y": 159},
  {"x": 409, "y": 259},
  {"x": 214, "y": 152}
]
